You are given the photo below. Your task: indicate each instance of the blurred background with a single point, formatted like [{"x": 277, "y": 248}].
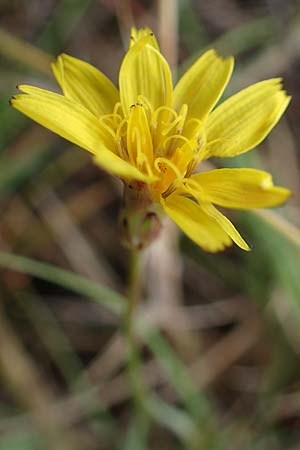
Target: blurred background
[{"x": 219, "y": 334}]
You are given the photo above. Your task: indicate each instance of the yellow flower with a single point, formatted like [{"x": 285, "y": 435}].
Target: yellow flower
[{"x": 154, "y": 137}]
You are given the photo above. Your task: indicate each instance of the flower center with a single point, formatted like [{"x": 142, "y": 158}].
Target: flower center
[{"x": 163, "y": 143}]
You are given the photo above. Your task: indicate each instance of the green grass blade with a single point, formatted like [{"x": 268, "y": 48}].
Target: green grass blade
[
  {"x": 177, "y": 375},
  {"x": 76, "y": 283}
]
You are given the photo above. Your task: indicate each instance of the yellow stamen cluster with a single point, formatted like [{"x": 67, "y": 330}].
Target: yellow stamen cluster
[{"x": 160, "y": 143}]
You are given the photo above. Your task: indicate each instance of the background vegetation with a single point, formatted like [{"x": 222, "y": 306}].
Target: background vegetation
[{"x": 219, "y": 334}]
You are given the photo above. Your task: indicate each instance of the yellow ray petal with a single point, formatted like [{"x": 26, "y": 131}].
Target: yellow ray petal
[
  {"x": 245, "y": 119},
  {"x": 86, "y": 85},
  {"x": 203, "y": 84},
  {"x": 117, "y": 166},
  {"x": 144, "y": 72},
  {"x": 195, "y": 223},
  {"x": 137, "y": 34},
  {"x": 239, "y": 188},
  {"x": 226, "y": 225},
  {"x": 139, "y": 140},
  {"x": 64, "y": 117},
  {"x": 76, "y": 124}
]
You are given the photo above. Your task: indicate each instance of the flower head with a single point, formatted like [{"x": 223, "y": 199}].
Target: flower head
[{"x": 154, "y": 136}]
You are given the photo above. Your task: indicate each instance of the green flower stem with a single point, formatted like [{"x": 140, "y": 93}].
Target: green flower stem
[
  {"x": 133, "y": 297},
  {"x": 134, "y": 291},
  {"x": 134, "y": 365}
]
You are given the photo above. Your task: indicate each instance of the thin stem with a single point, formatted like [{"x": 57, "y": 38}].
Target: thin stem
[
  {"x": 134, "y": 289},
  {"x": 133, "y": 363},
  {"x": 129, "y": 315}
]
